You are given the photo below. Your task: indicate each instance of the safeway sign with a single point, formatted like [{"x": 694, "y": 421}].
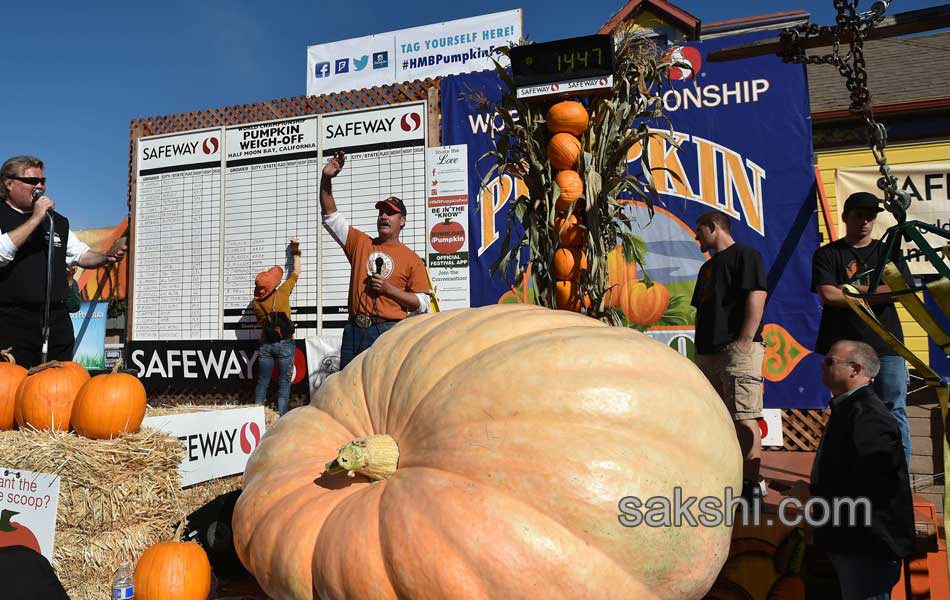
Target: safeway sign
[{"x": 217, "y": 443}]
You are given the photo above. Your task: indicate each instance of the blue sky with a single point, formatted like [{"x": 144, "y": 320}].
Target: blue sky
[{"x": 75, "y": 74}]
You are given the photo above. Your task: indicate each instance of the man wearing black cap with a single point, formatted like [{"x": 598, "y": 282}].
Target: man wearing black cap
[
  {"x": 388, "y": 281},
  {"x": 832, "y": 266}
]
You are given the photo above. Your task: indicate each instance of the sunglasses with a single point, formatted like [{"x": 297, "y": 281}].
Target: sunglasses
[
  {"x": 31, "y": 180},
  {"x": 829, "y": 360}
]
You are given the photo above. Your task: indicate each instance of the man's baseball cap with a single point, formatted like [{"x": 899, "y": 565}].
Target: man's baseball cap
[
  {"x": 862, "y": 200},
  {"x": 392, "y": 202}
]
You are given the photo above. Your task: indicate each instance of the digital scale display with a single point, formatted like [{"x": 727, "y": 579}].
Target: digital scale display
[{"x": 562, "y": 60}]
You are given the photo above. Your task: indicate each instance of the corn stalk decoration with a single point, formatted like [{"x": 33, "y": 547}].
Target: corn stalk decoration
[{"x": 619, "y": 120}]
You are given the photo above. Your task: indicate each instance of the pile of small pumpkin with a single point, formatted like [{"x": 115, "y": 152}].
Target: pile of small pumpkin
[
  {"x": 567, "y": 121},
  {"x": 60, "y": 396}
]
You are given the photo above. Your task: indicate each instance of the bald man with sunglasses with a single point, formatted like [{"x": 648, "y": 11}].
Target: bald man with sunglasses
[{"x": 24, "y": 229}]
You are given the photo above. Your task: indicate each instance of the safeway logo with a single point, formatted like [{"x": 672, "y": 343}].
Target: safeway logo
[
  {"x": 210, "y": 145},
  {"x": 250, "y": 437},
  {"x": 681, "y": 56},
  {"x": 410, "y": 122}
]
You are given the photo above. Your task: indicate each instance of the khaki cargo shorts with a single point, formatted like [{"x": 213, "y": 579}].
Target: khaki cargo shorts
[{"x": 737, "y": 377}]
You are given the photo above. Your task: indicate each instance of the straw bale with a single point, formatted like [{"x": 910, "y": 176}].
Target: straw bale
[{"x": 117, "y": 497}]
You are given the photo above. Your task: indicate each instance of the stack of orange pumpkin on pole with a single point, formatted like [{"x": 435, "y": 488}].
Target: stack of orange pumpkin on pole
[
  {"x": 567, "y": 121},
  {"x": 60, "y": 396}
]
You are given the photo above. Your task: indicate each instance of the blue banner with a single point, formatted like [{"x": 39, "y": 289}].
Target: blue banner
[
  {"x": 744, "y": 132},
  {"x": 89, "y": 327}
]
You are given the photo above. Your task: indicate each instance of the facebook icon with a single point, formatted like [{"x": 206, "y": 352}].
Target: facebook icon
[{"x": 321, "y": 69}]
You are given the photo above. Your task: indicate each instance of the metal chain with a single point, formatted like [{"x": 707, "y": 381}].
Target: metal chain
[{"x": 853, "y": 27}]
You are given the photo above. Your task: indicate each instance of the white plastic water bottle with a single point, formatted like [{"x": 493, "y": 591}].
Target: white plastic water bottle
[{"x": 123, "y": 586}]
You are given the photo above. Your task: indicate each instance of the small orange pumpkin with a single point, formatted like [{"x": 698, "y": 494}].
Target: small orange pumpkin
[
  {"x": 109, "y": 405},
  {"x": 45, "y": 397},
  {"x": 568, "y": 263},
  {"x": 11, "y": 375},
  {"x": 570, "y": 231},
  {"x": 571, "y": 189},
  {"x": 567, "y": 294},
  {"x": 568, "y": 117},
  {"x": 563, "y": 151},
  {"x": 173, "y": 571},
  {"x": 644, "y": 305}
]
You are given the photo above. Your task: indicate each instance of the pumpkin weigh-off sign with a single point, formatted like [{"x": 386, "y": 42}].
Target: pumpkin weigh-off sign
[{"x": 28, "y": 503}]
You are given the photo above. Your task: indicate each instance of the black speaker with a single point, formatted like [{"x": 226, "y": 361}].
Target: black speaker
[{"x": 210, "y": 526}]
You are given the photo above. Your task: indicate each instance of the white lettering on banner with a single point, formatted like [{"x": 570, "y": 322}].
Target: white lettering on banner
[
  {"x": 713, "y": 95},
  {"x": 217, "y": 443},
  {"x": 484, "y": 122},
  {"x": 215, "y": 364}
]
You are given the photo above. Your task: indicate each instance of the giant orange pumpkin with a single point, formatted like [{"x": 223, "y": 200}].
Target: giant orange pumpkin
[
  {"x": 109, "y": 405},
  {"x": 571, "y": 189},
  {"x": 498, "y": 442},
  {"x": 569, "y": 117},
  {"x": 45, "y": 397},
  {"x": 644, "y": 305},
  {"x": 563, "y": 151},
  {"x": 11, "y": 374},
  {"x": 570, "y": 232},
  {"x": 568, "y": 263},
  {"x": 173, "y": 571}
]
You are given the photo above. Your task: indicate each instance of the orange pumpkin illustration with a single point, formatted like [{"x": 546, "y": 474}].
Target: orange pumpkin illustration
[{"x": 644, "y": 305}]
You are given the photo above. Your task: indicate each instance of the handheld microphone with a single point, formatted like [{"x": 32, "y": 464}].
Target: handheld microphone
[
  {"x": 379, "y": 265},
  {"x": 37, "y": 194}
]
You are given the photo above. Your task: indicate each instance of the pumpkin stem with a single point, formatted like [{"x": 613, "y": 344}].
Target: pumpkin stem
[
  {"x": 7, "y": 355},
  {"x": 53, "y": 364},
  {"x": 5, "y": 516},
  {"x": 375, "y": 456},
  {"x": 117, "y": 366}
]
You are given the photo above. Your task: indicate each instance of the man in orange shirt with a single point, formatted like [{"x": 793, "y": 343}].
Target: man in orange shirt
[{"x": 387, "y": 280}]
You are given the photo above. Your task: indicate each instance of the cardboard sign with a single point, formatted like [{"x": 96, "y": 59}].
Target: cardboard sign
[
  {"x": 217, "y": 443},
  {"x": 28, "y": 503},
  {"x": 447, "y": 226},
  {"x": 771, "y": 427}
]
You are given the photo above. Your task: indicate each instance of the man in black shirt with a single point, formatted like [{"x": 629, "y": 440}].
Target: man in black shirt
[
  {"x": 24, "y": 235},
  {"x": 730, "y": 299},
  {"x": 832, "y": 266}
]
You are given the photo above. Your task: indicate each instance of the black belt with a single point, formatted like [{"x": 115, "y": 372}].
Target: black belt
[{"x": 367, "y": 321}]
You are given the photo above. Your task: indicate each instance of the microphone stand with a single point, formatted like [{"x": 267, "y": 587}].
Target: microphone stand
[{"x": 49, "y": 280}]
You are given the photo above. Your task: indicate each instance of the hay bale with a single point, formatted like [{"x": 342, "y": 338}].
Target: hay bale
[{"x": 117, "y": 497}]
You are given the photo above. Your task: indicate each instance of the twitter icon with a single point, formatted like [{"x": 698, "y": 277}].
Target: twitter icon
[{"x": 360, "y": 63}]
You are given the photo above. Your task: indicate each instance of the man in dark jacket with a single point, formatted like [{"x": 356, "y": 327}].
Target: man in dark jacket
[{"x": 861, "y": 461}]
